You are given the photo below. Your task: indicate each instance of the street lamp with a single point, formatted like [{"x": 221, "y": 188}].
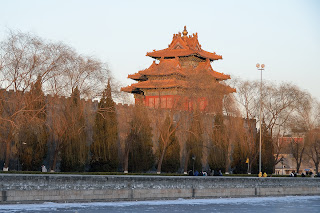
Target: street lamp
[{"x": 260, "y": 67}]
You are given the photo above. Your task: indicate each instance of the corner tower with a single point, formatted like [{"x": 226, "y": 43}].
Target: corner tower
[{"x": 167, "y": 79}]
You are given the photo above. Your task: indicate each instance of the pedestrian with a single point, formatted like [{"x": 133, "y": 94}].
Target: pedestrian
[
  {"x": 5, "y": 169},
  {"x": 43, "y": 168}
]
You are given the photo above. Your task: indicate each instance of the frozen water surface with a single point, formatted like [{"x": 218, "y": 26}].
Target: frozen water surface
[{"x": 290, "y": 204}]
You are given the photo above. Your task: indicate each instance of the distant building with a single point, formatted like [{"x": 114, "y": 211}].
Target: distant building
[{"x": 288, "y": 162}]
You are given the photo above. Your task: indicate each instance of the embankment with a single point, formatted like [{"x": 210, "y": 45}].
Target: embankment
[{"x": 24, "y": 188}]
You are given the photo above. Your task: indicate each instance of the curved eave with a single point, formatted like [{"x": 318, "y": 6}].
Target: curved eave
[
  {"x": 180, "y": 53},
  {"x": 157, "y": 84},
  {"x": 127, "y": 89},
  {"x": 137, "y": 77},
  {"x": 231, "y": 90},
  {"x": 164, "y": 87},
  {"x": 130, "y": 89},
  {"x": 226, "y": 89},
  {"x": 211, "y": 56},
  {"x": 160, "y": 74},
  {"x": 205, "y": 66},
  {"x": 220, "y": 76}
]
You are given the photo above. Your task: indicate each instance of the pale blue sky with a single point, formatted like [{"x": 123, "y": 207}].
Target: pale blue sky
[{"x": 283, "y": 34}]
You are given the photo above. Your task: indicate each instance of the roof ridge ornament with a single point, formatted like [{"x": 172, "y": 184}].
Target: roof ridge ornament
[{"x": 185, "y": 32}]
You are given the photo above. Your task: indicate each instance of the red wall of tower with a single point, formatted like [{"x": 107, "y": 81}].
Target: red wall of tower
[{"x": 173, "y": 101}]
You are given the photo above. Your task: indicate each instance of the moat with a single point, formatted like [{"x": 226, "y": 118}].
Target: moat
[{"x": 290, "y": 204}]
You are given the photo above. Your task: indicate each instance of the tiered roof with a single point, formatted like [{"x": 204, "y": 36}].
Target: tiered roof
[
  {"x": 184, "y": 46},
  {"x": 170, "y": 72}
]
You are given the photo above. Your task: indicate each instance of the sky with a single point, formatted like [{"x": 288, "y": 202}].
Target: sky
[{"x": 282, "y": 34}]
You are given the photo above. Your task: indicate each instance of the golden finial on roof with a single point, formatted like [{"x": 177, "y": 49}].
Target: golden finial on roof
[{"x": 185, "y": 32}]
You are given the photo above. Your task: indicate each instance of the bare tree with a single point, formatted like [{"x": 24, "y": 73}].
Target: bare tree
[
  {"x": 24, "y": 57},
  {"x": 313, "y": 147},
  {"x": 58, "y": 127},
  {"x": 247, "y": 97},
  {"x": 279, "y": 104},
  {"x": 306, "y": 121},
  {"x": 167, "y": 125},
  {"x": 297, "y": 149},
  {"x": 20, "y": 67}
]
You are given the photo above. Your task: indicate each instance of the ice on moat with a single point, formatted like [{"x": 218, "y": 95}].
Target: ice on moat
[{"x": 250, "y": 204}]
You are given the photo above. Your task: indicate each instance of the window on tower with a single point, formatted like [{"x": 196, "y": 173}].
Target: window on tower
[
  {"x": 163, "y": 102},
  {"x": 169, "y": 103},
  {"x": 151, "y": 102},
  {"x": 156, "y": 102}
]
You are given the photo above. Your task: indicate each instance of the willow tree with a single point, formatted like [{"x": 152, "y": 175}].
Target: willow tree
[
  {"x": 171, "y": 161},
  {"x": 313, "y": 147},
  {"x": 104, "y": 148},
  {"x": 218, "y": 154},
  {"x": 139, "y": 156},
  {"x": 22, "y": 60},
  {"x": 194, "y": 144},
  {"x": 32, "y": 135},
  {"x": 169, "y": 148},
  {"x": 2, "y": 147},
  {"x": 59, "y": 128},
  {"x": 10, "y": 107},
  {"x": 279, "y": 103},
  {"x": 74, "y": 154},
  {"x": 24, "y": 57},
  {"x": 306, "y": 121}
]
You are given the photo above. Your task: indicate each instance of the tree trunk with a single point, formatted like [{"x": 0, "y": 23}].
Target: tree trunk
[
  {"x": 126, "y": 161},
  {"x": 186, "y": 161},
  {"x": 228, "y": 158},
  {"x": 298, "y": 167},
  {"x": 299, "y": 160},
  {"x": 161, "y": 159},
  {"x": 54, "y": 162},
  {"x": 7, "y": 160}
]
